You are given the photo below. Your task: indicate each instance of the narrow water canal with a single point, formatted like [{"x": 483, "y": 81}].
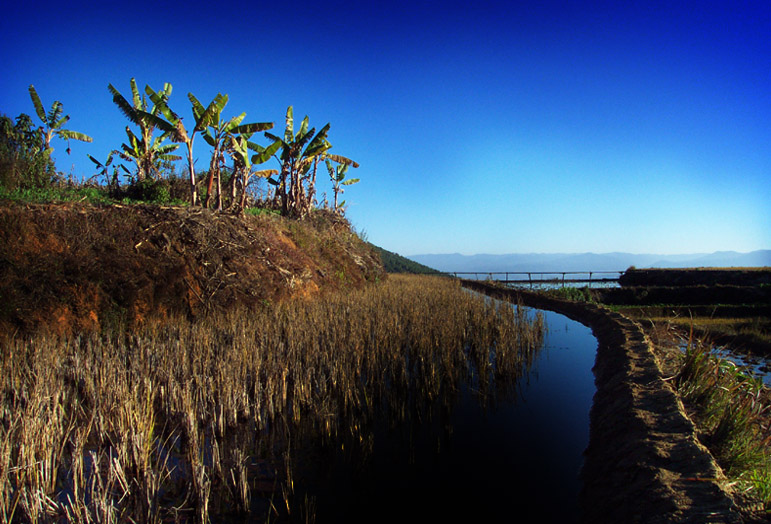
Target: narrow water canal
[{"x": 507, "y": 462}]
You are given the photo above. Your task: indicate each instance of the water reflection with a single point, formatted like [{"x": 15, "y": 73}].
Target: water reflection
[
  {"x": 545, "y": 285},
  {"x": 517, "y": 453}
]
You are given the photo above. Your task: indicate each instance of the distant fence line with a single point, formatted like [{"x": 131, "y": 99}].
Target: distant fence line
[{"x": 507, "y": 277}]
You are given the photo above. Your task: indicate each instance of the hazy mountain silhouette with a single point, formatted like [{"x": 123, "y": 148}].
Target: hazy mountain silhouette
[{"x": 589, "y": 261}]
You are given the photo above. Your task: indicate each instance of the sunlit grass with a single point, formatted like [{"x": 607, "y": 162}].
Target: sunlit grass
[
  {"x": 167, "y": 423},
  {"x": 57, "y": 193}
]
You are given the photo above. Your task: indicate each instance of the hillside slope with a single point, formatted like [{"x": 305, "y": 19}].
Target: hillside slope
[
  {"x": 395, "y": 263},
  {"x": 72, "y": 267}
]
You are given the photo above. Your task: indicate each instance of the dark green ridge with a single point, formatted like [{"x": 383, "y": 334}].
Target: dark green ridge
[{"x": 395, "y": 263}]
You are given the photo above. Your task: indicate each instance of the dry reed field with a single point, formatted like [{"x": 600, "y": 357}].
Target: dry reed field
[{"x": 189, "y": 421}]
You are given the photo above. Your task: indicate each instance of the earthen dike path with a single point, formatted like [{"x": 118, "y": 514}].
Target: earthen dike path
[{"x": 644, "y": 462}]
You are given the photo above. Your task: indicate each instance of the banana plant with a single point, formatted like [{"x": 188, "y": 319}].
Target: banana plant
[
  {"x": 239, "y": 148},
  {"x": 148, "y": 157},
  {"x": 217, "y": 134},
  {"x": 53, "y": 122},
  {"x": 146, "y": 151},
  {"x": 180, "y": 134},
  {"x": 104, "y": 169},
  {"x": 337, "y": 175},
  {"x": 295, "y": 185}
]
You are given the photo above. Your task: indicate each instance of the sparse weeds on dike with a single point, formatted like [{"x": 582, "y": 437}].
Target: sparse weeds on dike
[
  {"x": 577, "y": 294},
  {"x": 732, "y": 409},
  {"x": 172, "y": 422}
]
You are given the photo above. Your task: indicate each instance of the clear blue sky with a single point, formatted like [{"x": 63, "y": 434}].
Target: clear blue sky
[{"x": 480, "y": 127}]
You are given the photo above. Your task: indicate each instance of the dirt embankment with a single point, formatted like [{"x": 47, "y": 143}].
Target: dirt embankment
[
  {"x": 644, "y": 462},
  {"x": 702, "y": 296},
  {"x": 66, "y": 268},
  {"x": 743, "y": 277}
]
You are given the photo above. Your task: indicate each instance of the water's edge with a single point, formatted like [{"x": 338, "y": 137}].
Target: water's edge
[{"x": 643, "y": 462}]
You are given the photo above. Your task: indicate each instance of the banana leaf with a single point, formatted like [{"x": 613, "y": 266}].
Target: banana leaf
[
  {"x": 233, "y": 123},
  {"x": 63, "y": 120},
  {"x": 319, "y": 144},
  {"x": 212, "y": 111},
  {"x": 289, "y": 130},
  {"x": 37, "y": 103},
  {"x": 342, "y": 160},
  {"x": 127, "y": 109},
  {"x": 151, "y": 120},
  {"x": 138, "y": 104},
  {"x": 266, "y": 173},
  {"x": 53, "y": 114},
  {"x": 265, "y": 155},
  {"x": 252, "y": 128},
  {"x": 74, "y": 135},
  {"x": 303, "y": 127}
]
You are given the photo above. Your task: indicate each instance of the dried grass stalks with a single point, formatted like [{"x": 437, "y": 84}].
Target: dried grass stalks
[{"x": 173, "y": 422}]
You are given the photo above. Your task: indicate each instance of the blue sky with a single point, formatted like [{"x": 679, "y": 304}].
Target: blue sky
[{"x": 484, "y": 127}]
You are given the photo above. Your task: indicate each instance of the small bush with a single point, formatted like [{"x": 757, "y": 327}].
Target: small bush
[
  {"x": 576, "y": 294},
  {"x": 164, "y": 191},
  {"x": 23, "y": 165}
]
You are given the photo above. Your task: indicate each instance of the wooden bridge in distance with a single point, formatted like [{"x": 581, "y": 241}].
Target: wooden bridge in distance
[{"x": 541, "y": 277}]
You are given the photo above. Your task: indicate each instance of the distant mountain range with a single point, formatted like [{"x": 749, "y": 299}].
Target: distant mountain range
[{"x": 590, "y": 261}]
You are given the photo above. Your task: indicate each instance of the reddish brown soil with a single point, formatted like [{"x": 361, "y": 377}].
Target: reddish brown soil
[{"x": 66, "y": 268}]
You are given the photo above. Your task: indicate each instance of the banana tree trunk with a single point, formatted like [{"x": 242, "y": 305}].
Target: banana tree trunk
[
  {"x": 281, "y": 191},
  {"x": 193, "y": 192},
  {"x": 312, "y": 185},
  {"x": 213, "y": 165},
  {"x": 293, "y": 193},
  {"x": 336, "y": 189},
  {"x": 209, "y": 184},
  {"x": 245, "y": 182},
  {"x": 219, "y": 186},
  {"x": 235, "y": 177}
]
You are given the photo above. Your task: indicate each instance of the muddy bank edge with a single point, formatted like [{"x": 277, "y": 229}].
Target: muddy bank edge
[{"x": 643, "y": 462}]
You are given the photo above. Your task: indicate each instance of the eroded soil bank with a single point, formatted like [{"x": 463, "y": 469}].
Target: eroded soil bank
[
  {"x": 644, "y": 462},
  {"x": 72, "y": 268}
]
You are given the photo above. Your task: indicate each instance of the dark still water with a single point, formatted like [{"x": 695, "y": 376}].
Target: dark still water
[{"x": 516, "y": 457}]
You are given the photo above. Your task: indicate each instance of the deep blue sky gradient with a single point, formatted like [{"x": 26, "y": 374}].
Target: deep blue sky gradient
[{"x": 484, "y": 127}]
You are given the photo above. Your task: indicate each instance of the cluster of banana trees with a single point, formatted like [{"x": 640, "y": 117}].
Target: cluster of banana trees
[
  {"x": 144, "y": 150},
  {"x": 298, "y": 154},
  {"x": 301, "y": 153}
]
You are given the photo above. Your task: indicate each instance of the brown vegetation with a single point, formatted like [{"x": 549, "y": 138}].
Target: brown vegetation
[{"x": 191, "y": 419}]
